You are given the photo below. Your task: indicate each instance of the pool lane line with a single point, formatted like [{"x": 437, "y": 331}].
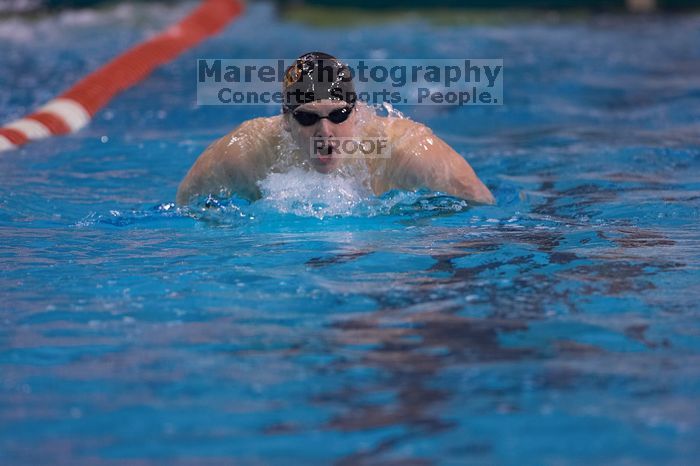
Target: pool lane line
[{"x": 74, "y": 109}]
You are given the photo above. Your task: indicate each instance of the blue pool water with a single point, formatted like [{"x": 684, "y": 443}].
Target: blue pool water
[{"x": 559, "y": 327}]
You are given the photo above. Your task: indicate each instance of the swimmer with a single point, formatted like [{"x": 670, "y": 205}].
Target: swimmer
[{"x": 321, "y": 109}]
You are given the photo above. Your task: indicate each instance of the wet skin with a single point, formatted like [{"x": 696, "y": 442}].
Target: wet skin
[{"x": 418, "y": 158}]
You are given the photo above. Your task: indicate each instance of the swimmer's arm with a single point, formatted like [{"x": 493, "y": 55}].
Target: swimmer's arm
[
  {"x": 225, "y": 167},
  {"x": 421, "y": 159}
]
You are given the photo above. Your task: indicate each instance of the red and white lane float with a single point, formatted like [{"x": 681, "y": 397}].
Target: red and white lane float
[{"x": 75, "y": 108}]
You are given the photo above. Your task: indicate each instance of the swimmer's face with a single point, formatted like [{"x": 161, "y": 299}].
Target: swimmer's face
[{"x": 307, "y": 137}]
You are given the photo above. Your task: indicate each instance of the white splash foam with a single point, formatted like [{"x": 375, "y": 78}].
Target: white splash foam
[{"x": 312, "y": 194}]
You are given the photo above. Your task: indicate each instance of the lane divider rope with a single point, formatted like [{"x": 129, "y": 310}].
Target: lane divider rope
[{"x": 74, "y": 109}]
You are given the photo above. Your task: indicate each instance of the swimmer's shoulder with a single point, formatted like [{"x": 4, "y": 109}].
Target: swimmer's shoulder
[
  {"x": 394, "y": 127},
  {"x": 256, "y": 131},
  {"x": 400, "y": 129},
  {"x": 234, "y": 162},
  {"x": 403, "y": 134},
  {"x": 253, "y": 139},
  {"x": 260, "y": 124}
]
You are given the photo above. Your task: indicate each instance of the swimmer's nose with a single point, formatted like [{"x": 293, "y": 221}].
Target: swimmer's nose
[{"x": 324, "y": 129}]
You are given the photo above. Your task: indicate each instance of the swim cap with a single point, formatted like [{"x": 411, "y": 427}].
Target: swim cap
[{"x": 317, "y": 76}]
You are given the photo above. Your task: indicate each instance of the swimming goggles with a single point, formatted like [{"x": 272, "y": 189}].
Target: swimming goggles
[{"x": 309, "y": 118}]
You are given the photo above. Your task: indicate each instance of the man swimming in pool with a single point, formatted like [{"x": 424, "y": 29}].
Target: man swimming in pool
[{"x": 321, "y": 109}]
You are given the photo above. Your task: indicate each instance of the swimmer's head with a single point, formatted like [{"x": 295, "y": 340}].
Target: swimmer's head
[
  {"x": 317, "y": 76},
  {"x": 319, "y": 106}
]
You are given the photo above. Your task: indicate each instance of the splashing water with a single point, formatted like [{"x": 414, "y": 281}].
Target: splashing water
[
  {"x": 308, "y": 193},
  {"x": 294, "y": 187},
  {"x": 559, "y": 326}
]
